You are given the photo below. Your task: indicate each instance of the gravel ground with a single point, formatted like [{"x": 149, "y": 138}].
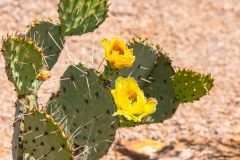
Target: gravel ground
[{"x": 198, "y": 34}]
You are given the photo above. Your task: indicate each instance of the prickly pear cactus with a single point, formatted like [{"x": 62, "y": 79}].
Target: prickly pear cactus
[
  {"x": 43, "y": 138},
  {"x": 17, "y": 140},
  {"x": 89, "y": 108},
  {"x": 155, "y": 74},
  {"x": 81, "y": 16},
  {"x": 48, "y": 36},
  {"x": 190, "y": 86},
  {"x": 80, "y": 121},
  {"x": 24, "y": 60}
]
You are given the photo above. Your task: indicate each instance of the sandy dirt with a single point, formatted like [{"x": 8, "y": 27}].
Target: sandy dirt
[{"x": 202, "y": 35}]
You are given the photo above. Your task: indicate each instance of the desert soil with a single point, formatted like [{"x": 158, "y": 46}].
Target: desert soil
[{"x": 198, "y": 34}]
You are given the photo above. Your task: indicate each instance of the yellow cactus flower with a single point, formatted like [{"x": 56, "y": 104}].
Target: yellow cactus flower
[
  {"x": 117, "y": 53},
  {"x": 130, "y": 100},
  {"x": 43, "y": 75}
]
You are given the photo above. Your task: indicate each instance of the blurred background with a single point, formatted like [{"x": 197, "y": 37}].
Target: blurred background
[{"x": 200, "y": 34}]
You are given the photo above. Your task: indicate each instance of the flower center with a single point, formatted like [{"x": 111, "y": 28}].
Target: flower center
[
  {"x": 119, "y": 49},
  {"x": 132, "y": 96}
]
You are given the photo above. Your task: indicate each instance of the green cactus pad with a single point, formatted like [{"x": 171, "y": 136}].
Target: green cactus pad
[
  {"x": 43, "y": 138},
  {"x": 190, "y": 86},
  {"x": 49, "y": 37},
  {"x": 161, "y": 88},
  {"x": 17, "y": 140},
  {"x": 24, "y": 59},
  {"x": 54, "y": 107},
  {"x": 81, "y": 16},
  {"x": 89, "y": 108},
  {"x": 146, "y": 55},
  {"x": 153, "y": 70}
]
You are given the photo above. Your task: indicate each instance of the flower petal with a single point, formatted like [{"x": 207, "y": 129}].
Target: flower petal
[{"x": 150, "y": 107}]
